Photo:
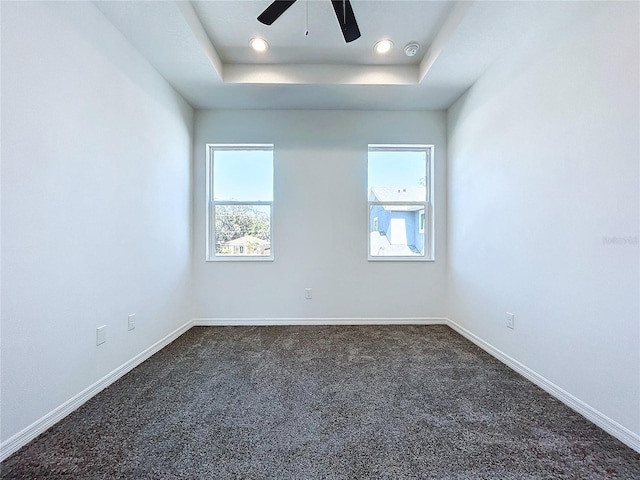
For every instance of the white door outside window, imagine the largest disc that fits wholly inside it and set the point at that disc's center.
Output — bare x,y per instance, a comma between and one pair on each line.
398,231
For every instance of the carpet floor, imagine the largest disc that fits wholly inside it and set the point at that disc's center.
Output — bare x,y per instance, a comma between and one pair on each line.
323,402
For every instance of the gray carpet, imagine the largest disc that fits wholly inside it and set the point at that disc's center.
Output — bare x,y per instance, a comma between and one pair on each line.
382,402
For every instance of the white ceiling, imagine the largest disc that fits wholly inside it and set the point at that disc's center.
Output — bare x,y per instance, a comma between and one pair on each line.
201,48
230,24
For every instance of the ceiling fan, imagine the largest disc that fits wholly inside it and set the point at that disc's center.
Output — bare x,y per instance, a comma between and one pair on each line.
343,9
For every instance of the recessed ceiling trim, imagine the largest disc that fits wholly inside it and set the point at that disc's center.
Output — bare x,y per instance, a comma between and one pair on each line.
167,35
200,34
449,26
322,74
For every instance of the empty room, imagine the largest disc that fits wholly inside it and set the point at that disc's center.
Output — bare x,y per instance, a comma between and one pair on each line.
320,239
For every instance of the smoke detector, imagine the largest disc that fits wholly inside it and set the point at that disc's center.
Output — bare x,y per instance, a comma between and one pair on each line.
411,49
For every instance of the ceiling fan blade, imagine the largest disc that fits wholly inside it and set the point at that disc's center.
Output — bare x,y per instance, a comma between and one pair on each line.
273,11
346,19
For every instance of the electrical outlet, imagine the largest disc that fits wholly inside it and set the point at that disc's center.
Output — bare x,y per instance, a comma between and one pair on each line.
101,335
511,319
132,321
308,293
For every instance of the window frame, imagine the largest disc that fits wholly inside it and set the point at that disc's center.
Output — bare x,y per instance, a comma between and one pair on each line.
210,252
427,204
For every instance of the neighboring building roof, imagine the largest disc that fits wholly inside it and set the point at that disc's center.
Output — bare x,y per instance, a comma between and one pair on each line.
398,194
246,240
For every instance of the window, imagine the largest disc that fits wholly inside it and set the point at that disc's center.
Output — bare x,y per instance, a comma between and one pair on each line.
240,202
400,193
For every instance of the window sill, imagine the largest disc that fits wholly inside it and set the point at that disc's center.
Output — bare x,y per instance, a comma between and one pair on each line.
400,259
231,258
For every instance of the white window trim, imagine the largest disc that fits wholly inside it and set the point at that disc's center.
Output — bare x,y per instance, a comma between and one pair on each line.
210,253
429,240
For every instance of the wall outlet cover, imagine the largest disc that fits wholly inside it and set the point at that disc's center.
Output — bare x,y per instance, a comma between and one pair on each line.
511,319
101,335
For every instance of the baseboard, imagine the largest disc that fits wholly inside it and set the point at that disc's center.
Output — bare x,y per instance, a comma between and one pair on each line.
23,437
228,322
610,426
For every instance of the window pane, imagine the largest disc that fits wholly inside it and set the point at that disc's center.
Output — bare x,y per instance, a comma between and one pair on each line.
243,175
399,170
395,231
243,230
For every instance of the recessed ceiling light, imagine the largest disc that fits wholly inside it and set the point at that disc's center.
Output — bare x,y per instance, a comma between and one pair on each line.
259,44
383,46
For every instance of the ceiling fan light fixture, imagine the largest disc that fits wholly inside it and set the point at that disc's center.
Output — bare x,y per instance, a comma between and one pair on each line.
383,46
258,44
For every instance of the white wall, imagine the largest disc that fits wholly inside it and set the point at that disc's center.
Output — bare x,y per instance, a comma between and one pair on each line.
543,165
96,176
320,220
